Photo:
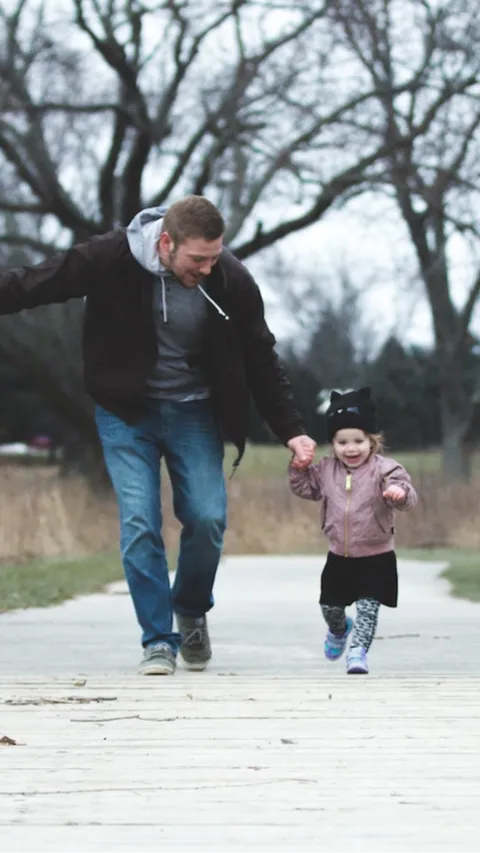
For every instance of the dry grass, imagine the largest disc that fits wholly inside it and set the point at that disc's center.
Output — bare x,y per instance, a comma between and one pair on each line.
44,516
265,517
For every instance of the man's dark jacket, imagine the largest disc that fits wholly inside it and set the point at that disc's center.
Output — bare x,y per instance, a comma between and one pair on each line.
119,339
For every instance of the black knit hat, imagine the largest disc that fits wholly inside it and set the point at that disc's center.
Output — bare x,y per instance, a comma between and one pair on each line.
353,410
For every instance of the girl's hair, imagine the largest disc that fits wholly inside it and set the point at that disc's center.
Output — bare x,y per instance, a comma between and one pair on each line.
377,441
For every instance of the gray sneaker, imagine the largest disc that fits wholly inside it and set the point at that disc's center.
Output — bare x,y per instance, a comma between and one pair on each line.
195,649
158,660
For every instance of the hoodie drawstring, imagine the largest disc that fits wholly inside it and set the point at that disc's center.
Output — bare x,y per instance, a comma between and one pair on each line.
164,300
202,291
222,313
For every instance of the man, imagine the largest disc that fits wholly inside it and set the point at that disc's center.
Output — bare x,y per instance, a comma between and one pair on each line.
174,342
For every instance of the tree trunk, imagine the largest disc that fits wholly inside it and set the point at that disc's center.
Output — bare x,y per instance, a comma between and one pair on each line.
455,425
456,455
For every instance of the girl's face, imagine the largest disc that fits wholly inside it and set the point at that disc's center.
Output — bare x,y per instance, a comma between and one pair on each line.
352,447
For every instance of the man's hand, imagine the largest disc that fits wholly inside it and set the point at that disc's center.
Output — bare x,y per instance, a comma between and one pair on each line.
394,493
303,449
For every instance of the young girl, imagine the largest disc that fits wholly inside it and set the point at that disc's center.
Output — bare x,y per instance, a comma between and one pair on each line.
359,489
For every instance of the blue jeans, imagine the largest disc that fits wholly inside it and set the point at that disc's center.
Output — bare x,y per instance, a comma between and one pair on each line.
187,435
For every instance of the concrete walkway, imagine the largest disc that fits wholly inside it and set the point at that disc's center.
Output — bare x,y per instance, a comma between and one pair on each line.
271,749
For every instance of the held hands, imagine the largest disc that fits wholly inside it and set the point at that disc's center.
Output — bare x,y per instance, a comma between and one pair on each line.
303,449
394,493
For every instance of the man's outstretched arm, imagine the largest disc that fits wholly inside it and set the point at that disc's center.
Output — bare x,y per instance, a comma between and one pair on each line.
66,275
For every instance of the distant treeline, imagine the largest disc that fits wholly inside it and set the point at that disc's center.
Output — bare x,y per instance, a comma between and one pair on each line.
405,386
403,378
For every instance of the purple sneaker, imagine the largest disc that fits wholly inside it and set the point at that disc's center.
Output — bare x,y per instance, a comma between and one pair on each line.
357,663
334,645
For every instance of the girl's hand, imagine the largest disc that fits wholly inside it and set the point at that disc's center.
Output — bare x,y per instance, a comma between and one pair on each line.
395,493
303,449
301,465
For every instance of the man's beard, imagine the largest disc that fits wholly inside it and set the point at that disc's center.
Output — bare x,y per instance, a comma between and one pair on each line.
171,266
171,259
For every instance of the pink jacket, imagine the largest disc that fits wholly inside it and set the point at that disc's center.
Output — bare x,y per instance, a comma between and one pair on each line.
356,519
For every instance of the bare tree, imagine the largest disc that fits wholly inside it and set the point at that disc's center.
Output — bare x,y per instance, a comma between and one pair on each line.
434,176
99,118
107,106
241,100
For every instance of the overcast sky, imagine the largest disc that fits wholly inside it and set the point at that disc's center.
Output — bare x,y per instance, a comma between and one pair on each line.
368,239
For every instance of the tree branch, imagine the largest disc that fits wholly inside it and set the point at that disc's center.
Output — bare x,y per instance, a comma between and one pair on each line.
29,147
132,176
82,109
107,173
447,174
161,123
7,206
283,158
183,160
13,154
245,73
350,177
47,187
114,55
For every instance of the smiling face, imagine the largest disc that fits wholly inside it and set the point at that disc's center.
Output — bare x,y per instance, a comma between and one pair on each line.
191,260
352,447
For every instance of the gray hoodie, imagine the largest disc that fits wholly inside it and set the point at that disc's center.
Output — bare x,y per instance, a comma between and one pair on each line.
179,314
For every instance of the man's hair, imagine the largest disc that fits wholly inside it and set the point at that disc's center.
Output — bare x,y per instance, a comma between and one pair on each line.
193,216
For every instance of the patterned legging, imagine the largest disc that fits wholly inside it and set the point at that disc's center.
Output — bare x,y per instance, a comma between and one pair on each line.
365,623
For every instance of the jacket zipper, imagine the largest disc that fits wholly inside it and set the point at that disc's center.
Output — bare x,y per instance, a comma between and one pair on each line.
348,489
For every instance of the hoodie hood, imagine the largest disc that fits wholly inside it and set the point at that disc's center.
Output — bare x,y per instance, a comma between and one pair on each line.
143,234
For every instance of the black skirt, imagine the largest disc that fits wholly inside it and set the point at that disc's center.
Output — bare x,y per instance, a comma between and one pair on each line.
347,579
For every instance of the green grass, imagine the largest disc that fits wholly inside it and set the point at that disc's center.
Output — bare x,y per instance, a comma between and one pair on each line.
463,571
41,583
266,461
